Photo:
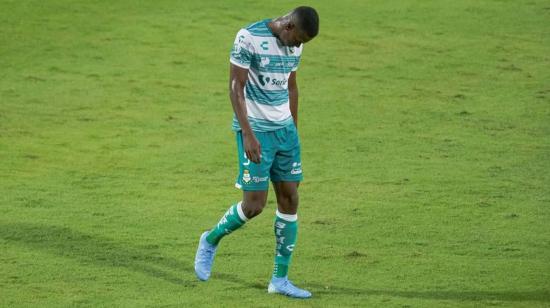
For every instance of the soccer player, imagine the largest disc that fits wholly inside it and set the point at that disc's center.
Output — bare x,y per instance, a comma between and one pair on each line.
264,96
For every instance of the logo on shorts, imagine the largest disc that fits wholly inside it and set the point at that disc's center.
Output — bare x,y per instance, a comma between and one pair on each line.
296,168
258,179
247,162
246,176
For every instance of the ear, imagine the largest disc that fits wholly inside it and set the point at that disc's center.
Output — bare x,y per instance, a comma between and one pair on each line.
289,26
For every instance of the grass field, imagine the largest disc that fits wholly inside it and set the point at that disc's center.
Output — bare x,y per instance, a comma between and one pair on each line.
425,129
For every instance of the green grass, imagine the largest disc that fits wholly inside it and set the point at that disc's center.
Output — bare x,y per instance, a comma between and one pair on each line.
425,143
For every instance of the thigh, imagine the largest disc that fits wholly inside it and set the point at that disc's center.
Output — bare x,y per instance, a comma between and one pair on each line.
252,176
287,162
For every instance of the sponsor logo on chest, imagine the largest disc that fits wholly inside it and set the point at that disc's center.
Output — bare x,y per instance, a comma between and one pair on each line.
265,80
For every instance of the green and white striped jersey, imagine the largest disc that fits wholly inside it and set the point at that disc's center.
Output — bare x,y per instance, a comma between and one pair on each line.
269,64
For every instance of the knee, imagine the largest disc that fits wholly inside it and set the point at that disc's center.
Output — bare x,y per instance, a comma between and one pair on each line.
293,199
288,201
252,208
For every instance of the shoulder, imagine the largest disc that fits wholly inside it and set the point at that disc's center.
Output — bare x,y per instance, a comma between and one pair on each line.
244,40
243,34
259,28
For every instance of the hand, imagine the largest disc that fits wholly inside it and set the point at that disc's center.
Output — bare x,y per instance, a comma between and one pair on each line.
252,147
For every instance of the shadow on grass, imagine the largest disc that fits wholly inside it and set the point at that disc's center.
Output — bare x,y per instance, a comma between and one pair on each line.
102,251
541,296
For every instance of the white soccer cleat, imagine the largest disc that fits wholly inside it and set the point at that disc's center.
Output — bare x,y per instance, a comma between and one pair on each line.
285,287
204,258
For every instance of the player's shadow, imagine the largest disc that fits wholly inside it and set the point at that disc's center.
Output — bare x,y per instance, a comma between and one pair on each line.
102,251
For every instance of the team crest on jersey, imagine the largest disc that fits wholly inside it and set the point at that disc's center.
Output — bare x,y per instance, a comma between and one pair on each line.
246,176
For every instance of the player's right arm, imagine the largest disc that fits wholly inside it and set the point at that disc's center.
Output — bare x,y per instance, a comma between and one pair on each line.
241,56
237,80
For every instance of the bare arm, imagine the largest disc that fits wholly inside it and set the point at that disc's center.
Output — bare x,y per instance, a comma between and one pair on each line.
293,97
237,80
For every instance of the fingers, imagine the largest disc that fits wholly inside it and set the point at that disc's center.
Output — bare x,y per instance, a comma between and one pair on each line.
255,154
258,154
249,156
253,150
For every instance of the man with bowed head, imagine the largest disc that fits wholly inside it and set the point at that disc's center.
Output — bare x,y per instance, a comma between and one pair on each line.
264,95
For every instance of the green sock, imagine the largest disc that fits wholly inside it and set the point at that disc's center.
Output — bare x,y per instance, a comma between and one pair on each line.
286,229
232,220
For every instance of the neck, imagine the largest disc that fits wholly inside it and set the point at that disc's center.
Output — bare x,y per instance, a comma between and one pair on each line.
276,25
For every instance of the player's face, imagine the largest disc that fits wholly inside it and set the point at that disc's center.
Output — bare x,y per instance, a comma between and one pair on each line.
292,36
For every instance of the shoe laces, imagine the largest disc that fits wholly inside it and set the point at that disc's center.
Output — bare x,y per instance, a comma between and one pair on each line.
287,284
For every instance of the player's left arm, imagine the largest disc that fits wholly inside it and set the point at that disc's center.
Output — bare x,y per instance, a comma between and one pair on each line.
293,97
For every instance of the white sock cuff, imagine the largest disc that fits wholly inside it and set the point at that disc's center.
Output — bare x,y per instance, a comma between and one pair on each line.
287,217
240,211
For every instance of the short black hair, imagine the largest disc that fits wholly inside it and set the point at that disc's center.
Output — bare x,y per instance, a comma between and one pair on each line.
307,20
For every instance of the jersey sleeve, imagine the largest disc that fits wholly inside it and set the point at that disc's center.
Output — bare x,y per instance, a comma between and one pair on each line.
243,49
296,64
